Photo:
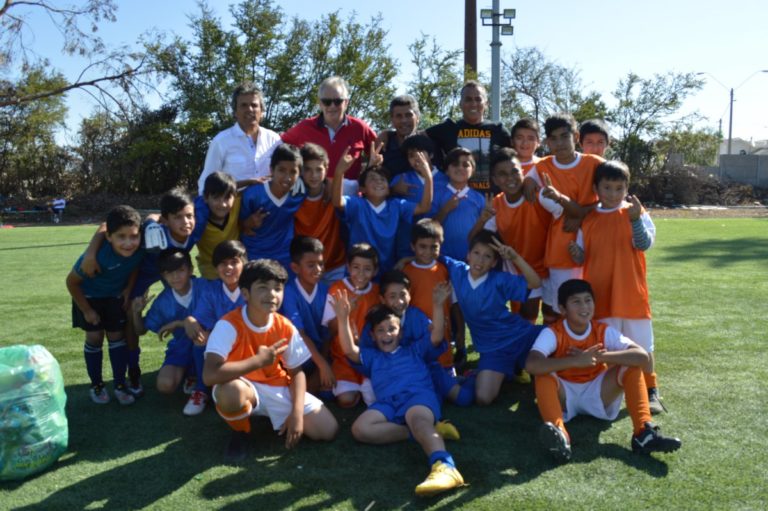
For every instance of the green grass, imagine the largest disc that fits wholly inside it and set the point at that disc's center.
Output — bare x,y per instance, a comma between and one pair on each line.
709,283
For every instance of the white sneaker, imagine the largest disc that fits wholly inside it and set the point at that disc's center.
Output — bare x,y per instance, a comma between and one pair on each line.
99,395
196,403
189,385
123,396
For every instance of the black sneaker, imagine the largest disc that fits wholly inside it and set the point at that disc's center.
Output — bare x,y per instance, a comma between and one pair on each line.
654,402
237,448
556,441
651,440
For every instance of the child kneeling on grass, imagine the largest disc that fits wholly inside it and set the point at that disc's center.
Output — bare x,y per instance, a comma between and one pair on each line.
584,367
253,360
406,403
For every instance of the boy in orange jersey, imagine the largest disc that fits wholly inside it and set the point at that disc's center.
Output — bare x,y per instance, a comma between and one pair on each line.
362,265
584,367
611,246
594,137
521,225
425,272
565,182
253,360
525,141
317,218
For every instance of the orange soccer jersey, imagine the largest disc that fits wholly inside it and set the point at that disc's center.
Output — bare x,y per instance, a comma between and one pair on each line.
565,342
248,341
423,281
528,165
575,181
523,226
361,303
614,267
318,219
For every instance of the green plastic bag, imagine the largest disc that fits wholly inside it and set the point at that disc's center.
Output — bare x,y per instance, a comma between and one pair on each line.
33,422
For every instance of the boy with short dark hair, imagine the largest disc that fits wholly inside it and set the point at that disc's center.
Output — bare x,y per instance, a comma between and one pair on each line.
594,137
304,303
405,399
525,141
317,218
217,217
166,318
266,214
98,302
374,218
583,366
253,361
362,266
611,245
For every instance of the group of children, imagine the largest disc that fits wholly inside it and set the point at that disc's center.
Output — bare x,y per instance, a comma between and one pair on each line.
310,295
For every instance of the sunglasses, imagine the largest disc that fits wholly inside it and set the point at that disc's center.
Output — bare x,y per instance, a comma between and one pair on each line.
334,101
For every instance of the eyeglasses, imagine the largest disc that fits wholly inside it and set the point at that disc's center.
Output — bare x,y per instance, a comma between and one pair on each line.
333,101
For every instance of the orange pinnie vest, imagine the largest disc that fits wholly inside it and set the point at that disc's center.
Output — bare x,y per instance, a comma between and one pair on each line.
566,342
423,282
524,228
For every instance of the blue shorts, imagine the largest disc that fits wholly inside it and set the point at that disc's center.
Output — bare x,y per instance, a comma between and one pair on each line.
395,407
110,310
509,360
443,379
179,353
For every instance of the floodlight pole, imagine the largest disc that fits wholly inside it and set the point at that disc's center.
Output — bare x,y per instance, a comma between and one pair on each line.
496,65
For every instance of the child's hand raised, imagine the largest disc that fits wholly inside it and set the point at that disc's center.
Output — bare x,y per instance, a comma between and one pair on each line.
549,191
341,304
422,163
375,158
636,209
505,251
345,162
488,210
441,292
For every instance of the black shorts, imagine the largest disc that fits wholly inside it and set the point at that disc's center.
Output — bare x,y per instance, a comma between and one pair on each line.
110,310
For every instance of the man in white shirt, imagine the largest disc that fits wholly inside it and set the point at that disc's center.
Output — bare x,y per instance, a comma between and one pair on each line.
244,150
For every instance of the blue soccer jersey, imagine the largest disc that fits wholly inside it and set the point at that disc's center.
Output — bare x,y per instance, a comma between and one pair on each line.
148,271
415,192
377,225
458,222
305,311
413,326
215,301
401,371
114,275
484,304
168,307
273,239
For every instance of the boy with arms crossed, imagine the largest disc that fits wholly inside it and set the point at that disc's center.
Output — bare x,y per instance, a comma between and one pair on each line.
585,367
253,361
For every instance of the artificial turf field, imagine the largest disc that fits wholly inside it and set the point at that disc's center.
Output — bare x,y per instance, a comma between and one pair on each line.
709,285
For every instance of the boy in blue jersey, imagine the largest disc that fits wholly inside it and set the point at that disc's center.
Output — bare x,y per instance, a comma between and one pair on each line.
374,218
220,295
394,288
457,206
502,338
304,300
98,302
174,229
406,403
409,185
267,209
166,318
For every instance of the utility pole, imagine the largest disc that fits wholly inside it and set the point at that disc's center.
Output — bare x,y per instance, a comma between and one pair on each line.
470,39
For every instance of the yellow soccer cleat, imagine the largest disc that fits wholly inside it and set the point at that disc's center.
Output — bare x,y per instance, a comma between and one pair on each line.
441,478
447,430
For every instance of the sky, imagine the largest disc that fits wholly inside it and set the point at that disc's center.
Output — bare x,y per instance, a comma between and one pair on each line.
604,39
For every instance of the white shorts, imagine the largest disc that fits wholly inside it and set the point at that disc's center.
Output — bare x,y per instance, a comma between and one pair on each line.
556,278
365,388
275,402
585,399
331,276
638,330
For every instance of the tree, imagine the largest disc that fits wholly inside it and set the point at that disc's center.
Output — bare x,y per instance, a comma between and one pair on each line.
693,146
437,80
107,66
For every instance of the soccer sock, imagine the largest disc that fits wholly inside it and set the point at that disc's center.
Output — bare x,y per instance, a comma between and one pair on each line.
548,401
467,392
239,420
443,456
650,380
198,354
636,395
118,358
133,359
93,360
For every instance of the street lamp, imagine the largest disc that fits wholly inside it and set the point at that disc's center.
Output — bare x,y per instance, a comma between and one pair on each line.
730,108
491,18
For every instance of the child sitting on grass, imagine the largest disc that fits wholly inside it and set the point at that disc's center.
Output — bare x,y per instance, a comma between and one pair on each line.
406,403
